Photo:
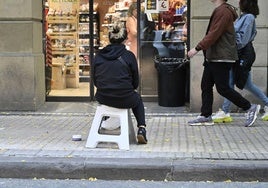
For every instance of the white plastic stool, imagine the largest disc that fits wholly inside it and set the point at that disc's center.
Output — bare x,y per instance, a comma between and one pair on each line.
126,136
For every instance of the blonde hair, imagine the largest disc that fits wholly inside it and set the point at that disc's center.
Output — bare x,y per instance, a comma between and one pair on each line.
132,7
118,34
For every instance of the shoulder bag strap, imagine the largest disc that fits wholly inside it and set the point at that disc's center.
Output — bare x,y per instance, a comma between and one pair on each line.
125,64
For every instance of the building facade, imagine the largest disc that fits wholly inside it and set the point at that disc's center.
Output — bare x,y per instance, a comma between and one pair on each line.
22,55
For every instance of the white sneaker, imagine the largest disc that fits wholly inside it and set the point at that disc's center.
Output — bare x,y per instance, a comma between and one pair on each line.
251,115
265,115
222,117
201,120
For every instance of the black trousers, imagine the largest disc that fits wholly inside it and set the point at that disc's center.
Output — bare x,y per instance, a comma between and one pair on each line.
134,102
218,74
139,113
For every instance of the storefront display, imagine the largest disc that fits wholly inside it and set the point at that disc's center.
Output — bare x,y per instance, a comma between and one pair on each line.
70,45
62,43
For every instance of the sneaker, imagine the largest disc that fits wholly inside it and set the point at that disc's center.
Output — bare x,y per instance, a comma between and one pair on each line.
201,120
141,136
222,117
265,115
251,115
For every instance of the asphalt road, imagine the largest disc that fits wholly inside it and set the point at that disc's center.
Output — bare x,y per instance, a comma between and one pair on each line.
92,183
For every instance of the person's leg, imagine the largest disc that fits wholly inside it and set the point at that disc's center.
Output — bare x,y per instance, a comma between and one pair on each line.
207,83
221,76
226,103
139,113
207,99
250,86
222,85
223,115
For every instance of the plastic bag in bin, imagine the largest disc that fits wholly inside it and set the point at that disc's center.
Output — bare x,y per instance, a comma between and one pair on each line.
171,64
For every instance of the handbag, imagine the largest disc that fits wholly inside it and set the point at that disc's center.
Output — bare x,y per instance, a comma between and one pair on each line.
246,58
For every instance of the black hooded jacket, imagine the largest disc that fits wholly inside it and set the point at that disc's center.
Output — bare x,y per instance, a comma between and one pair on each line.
115,81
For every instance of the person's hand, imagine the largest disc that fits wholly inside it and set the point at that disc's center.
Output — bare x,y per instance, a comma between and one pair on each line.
192,52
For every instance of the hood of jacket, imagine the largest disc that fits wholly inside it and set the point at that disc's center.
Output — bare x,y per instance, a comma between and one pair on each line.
232,9
112,51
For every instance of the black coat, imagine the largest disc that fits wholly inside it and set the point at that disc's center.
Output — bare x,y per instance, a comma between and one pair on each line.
115,81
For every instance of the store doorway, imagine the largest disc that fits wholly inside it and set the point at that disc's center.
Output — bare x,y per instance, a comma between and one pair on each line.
67,49
74,31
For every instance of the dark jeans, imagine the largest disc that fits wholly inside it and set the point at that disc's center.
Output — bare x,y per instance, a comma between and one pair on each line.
139,113
135,103
218,74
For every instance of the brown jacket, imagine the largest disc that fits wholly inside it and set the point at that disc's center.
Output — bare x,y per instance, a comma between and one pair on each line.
219,44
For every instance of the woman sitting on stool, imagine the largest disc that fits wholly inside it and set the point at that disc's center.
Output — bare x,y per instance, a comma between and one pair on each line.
116,77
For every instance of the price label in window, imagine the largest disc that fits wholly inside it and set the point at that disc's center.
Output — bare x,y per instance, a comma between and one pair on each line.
151,6
163,5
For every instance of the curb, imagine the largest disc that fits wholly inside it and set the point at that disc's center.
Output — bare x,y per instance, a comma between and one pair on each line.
157,169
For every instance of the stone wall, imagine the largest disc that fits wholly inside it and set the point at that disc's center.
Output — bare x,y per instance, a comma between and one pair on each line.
200,13
22,77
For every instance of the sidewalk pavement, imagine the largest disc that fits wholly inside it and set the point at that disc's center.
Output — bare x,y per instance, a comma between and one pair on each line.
39,145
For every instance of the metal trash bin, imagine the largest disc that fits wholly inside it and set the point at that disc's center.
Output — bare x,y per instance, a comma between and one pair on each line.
171,81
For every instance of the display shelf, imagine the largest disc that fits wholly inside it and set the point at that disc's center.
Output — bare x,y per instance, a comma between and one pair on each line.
63,48
63,17
84,43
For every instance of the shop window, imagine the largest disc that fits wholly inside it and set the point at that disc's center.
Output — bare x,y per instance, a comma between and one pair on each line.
166,26
74,35
71,44
163,33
